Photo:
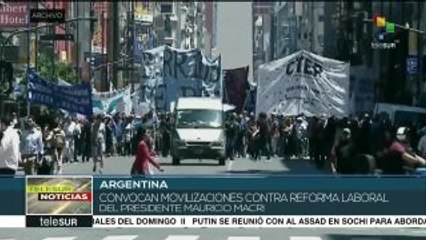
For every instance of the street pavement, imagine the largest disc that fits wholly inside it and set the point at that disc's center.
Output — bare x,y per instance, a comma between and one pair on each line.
212,234
118,165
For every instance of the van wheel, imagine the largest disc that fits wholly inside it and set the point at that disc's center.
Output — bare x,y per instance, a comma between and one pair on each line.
221,161
176,160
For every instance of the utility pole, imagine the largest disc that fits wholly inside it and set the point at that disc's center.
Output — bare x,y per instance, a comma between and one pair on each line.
104,72
115,42
420,6
28,57
36,48
77,40
132,44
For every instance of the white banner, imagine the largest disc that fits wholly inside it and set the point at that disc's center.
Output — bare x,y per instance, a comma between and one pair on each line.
170,73
269,221
152,76
113,102
188,73
303,83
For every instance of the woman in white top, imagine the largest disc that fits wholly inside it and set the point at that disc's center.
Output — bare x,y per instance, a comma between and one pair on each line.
9,148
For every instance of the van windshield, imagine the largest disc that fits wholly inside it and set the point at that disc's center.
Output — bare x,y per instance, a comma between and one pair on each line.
199,118
405,118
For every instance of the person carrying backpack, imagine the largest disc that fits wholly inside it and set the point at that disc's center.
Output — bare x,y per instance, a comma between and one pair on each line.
58,144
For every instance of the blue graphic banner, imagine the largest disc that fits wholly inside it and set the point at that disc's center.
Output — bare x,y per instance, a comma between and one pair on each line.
75,98
260,196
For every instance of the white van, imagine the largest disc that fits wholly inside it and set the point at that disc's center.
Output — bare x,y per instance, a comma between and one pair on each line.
401,115
198,130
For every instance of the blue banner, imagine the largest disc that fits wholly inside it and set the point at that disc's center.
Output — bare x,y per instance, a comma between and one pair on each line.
75,98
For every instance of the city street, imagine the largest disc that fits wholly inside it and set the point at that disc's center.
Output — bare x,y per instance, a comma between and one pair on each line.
213,234
338,80
121,165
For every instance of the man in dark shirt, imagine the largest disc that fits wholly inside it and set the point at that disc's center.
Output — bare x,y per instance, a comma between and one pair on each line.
231,133
344,154
262,136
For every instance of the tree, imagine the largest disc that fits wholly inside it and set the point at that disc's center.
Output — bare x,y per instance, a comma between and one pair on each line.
52,70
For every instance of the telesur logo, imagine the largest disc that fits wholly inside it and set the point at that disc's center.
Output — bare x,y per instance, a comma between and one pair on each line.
384,29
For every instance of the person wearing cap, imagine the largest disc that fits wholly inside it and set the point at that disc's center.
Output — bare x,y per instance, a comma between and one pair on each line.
399,155
343,154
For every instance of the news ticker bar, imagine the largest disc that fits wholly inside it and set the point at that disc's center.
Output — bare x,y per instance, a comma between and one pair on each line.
169,221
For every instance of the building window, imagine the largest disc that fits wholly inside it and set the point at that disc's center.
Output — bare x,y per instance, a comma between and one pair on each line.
321,18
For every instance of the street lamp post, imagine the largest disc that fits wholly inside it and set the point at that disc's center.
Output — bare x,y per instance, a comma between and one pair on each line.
31,29
28,30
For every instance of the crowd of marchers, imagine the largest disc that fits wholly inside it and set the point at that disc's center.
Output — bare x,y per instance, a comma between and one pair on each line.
361,145
44,148
355,145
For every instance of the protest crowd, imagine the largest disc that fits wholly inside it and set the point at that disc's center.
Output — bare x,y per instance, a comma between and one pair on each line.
350,145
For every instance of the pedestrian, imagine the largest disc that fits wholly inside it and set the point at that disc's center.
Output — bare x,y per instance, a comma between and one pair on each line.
77,139
165,130
86,135
98,143
399,157
32,147
108,136
144,157
231,134
314,129
128,137
274,136
118,133
70,130
343,154
9,147
58,144
261,137
250,138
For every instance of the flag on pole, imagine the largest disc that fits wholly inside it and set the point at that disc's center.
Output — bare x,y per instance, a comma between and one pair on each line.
390,27
381,22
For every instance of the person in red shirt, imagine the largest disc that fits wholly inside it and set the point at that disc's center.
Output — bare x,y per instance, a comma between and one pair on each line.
144,157
399,156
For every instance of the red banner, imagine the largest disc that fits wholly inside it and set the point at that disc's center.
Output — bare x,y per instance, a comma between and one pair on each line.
13,14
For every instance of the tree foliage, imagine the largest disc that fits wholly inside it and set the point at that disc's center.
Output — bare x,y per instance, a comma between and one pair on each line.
52,70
